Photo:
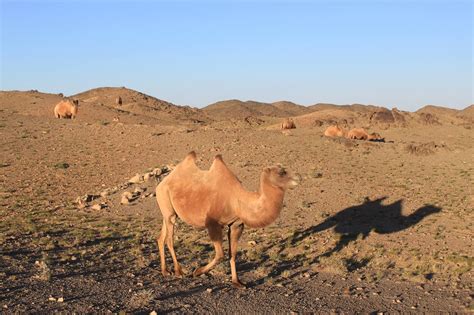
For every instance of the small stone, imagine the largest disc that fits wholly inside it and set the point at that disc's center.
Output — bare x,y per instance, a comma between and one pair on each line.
157,171
252,243
153,313
379,313
209,290
124,201
51,299
61,299
135,179
127,194
105,193
359,289
147,176
139,190
413,307
97,207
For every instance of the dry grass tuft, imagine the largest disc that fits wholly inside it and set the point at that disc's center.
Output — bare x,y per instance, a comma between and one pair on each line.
141,299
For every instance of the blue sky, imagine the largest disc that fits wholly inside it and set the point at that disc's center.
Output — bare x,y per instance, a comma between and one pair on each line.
403,54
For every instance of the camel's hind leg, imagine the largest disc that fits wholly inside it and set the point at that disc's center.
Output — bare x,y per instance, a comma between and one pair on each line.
161,246
215,233
167,231
169,242
235,231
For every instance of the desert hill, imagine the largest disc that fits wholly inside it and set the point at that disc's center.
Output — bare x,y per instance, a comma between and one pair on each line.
351,107
467,113
236,109
137,103
99,105
292,109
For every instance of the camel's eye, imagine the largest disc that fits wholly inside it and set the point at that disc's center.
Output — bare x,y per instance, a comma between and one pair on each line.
282,172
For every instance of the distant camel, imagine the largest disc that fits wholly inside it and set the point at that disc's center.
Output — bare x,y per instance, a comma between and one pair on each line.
288,123
361,134
66,109
118,101
335,131
213,199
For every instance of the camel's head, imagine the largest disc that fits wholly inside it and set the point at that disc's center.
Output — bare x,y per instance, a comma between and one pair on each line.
279,177
375,137
73,102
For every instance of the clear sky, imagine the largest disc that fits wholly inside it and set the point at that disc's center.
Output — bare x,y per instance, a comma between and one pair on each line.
403,54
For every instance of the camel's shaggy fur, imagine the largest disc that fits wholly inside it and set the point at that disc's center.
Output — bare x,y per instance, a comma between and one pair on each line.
66,109
361,134
288,123
335,131
214,199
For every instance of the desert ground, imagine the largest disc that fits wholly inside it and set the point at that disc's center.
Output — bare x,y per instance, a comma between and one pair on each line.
383,227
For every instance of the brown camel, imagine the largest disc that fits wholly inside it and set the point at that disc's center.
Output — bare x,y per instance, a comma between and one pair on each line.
213,199
66,109
288,123
335,131
361,134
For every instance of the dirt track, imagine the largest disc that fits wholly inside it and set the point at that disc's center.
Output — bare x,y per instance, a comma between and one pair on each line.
372,227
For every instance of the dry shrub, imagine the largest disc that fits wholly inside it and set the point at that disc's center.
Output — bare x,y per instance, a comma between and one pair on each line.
429,119
254,121
423,148
141,299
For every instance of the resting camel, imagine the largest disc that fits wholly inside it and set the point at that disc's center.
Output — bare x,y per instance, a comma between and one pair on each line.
213,199
288,123
361,134
335,131
66,109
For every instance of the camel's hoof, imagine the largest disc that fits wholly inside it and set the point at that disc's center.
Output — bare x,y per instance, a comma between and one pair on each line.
179,273
238,285
197,272
165,273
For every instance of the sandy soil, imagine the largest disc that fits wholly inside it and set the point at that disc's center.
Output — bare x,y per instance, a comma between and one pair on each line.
372,227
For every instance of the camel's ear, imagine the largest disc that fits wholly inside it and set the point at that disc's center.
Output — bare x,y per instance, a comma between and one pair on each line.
266,170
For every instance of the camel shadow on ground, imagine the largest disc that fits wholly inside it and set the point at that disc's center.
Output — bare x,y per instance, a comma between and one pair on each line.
350,224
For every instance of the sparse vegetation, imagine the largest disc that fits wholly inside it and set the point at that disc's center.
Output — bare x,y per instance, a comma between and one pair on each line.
61,165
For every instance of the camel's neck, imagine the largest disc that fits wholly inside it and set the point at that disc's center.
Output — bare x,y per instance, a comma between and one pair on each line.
259,209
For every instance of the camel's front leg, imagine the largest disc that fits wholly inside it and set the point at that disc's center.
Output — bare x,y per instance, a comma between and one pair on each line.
215,233
235,231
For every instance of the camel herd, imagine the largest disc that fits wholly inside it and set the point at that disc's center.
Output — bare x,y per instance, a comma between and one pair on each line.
215,198
68,108
334,131
355,134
